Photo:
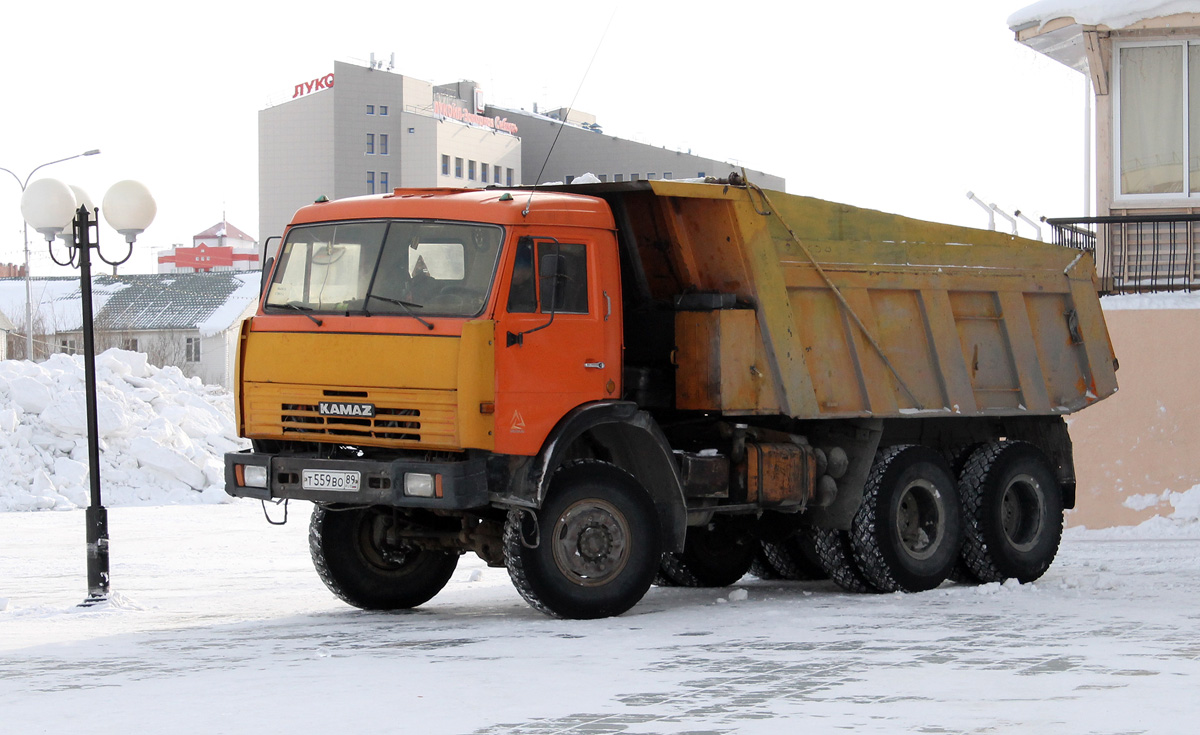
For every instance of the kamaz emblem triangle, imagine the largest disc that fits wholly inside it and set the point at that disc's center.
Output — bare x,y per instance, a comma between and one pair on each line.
518,423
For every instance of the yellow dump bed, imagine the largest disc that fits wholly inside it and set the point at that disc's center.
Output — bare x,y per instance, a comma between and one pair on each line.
841,312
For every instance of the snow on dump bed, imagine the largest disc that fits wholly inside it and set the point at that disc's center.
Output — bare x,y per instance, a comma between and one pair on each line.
162,435
1112,13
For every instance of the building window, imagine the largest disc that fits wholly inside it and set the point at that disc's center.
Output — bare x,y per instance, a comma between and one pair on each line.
570,178
496,175
445,165
383,109
383,182
635,177
383,144
651,175
370,142
483,171
130,344
667,174
699,174
370,109
1157,135
509,177
458,168
193,349
471,170
370,182
602,177
411,131
67,347
618,177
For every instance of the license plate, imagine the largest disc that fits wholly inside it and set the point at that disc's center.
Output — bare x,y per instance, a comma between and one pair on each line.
345,480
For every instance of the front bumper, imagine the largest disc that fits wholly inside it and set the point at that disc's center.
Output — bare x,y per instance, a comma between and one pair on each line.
459,485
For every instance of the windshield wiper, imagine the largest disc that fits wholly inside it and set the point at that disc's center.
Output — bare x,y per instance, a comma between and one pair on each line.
300,308
408,307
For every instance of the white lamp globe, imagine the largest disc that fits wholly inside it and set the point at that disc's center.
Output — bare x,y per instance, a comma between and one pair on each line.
128,208
81,200
46,205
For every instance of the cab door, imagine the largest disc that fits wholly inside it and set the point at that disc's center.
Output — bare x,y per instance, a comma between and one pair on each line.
558,333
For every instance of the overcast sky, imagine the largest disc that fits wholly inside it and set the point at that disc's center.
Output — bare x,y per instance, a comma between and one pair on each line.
896,106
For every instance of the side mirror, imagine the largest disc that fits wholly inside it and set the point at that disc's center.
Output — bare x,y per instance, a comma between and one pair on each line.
268,263
266,273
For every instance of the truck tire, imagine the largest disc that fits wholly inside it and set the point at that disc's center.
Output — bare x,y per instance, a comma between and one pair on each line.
957,456
351,558
762,568
907,533
1013,508
837,560
715,555
593,548
795,557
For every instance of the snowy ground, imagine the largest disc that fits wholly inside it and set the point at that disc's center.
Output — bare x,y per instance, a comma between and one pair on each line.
221,626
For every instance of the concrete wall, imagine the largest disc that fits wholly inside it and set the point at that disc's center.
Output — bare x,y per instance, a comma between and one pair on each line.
1146,438
295,158
580,151
480,145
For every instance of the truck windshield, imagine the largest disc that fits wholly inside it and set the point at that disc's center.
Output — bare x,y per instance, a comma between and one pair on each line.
386,267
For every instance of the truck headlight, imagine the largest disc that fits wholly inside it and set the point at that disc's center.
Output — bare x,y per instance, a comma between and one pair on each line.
254,475
418,485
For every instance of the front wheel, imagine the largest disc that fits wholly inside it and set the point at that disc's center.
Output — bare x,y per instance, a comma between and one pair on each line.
358,557
592,550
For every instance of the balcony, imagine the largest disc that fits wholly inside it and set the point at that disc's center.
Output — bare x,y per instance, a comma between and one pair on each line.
1136,254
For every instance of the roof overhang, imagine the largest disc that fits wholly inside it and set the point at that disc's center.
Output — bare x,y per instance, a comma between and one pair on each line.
1062,39
1074,42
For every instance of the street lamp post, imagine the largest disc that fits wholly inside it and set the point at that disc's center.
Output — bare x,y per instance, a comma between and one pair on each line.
28,284
50,206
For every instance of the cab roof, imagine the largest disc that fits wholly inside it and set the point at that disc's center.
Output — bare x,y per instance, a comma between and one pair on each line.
494,206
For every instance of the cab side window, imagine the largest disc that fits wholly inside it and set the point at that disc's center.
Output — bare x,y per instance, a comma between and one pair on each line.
522,295
556,281
562,277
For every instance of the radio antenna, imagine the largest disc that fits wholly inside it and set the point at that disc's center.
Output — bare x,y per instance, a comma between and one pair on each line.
562,123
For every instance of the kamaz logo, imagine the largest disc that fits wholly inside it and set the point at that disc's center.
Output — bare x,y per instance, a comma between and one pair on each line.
364,410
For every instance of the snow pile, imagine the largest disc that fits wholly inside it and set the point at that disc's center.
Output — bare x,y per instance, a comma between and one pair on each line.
1182,522
1160,300
162,435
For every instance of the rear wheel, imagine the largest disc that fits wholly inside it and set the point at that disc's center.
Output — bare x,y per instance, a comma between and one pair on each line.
907,533
715,555
795,557
837,560
359,558
1014,512
593,548
761,568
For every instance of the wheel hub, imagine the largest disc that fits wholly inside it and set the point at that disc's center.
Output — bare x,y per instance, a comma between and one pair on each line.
1021,512
595,543
920,522
591,542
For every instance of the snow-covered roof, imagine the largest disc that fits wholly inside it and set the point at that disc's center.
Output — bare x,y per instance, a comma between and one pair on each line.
1114,14
5,324
223,229
209,302
1056,28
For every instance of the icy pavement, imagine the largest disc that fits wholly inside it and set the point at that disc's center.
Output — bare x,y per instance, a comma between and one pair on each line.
221,626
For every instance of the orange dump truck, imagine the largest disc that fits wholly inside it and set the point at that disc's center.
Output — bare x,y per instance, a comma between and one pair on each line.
606,385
